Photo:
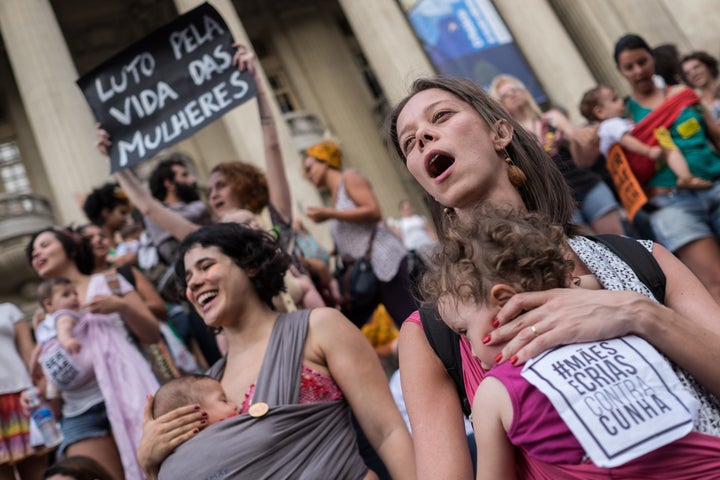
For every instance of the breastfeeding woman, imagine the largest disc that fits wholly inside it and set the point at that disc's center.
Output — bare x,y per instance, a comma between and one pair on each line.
296,376
100,244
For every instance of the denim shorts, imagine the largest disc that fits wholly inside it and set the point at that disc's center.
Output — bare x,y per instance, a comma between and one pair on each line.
683,216
598,201
92,423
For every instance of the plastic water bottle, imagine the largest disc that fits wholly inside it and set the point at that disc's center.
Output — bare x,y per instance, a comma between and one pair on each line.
44,419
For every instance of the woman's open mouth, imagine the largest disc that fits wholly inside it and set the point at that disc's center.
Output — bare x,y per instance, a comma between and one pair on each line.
38,263
205,298
217,206
438,164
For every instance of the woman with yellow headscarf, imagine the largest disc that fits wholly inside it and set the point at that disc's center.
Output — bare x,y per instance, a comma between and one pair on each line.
358,231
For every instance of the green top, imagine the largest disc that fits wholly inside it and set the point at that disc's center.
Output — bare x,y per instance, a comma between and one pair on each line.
688,133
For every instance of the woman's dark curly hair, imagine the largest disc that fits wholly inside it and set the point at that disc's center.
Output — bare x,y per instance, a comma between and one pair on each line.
524,251
76,248
255,251
248,183
102,198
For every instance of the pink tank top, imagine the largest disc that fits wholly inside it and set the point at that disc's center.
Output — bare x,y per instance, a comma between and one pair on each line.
536,427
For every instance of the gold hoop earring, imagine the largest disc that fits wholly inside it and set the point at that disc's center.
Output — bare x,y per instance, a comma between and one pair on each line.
515,174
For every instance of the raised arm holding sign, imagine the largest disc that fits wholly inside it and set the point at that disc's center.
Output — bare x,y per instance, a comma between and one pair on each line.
277,185
167,86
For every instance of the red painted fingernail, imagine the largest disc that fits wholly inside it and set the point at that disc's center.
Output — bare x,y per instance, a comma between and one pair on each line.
498,357
204,414
197,407
485,339
196,430
496,323
203,421
514,359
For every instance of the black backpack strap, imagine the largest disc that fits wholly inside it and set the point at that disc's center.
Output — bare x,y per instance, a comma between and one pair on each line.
445,344
639,259
127,273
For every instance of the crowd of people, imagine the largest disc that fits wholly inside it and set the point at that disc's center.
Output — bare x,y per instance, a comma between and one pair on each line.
218,337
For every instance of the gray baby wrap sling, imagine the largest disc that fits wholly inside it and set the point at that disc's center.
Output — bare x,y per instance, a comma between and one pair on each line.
290,441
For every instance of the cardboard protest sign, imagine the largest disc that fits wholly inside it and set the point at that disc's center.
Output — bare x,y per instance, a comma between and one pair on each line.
167,86
619,397
629,190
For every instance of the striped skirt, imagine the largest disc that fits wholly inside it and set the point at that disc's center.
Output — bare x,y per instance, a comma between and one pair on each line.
14,430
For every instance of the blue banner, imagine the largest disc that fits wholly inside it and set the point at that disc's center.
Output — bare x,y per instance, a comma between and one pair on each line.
467,38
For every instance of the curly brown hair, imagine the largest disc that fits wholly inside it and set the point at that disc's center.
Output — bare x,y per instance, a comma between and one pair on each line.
524,251
248,183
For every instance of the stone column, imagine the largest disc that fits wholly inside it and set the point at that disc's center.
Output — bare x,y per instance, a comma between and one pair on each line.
549,50
699,23
241,123
31,158
61,121
310,45
389,44
596,26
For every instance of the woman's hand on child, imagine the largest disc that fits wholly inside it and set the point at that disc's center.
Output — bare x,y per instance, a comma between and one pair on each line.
532,322
104,304
164,434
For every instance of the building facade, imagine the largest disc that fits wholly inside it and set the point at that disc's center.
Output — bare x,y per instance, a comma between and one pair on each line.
334,66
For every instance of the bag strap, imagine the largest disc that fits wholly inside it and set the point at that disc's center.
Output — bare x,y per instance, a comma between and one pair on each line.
127,273
639,259
445,344
368,252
